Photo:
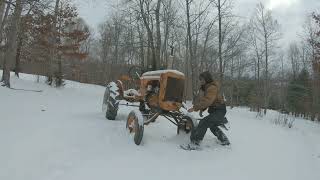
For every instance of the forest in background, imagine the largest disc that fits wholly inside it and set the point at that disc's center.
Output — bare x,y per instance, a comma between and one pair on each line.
245,54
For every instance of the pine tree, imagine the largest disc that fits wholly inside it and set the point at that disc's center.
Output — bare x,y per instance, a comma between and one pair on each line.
299,96
68,35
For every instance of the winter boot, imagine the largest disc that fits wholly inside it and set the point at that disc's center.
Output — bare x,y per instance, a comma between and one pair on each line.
220,135
224,141
191,146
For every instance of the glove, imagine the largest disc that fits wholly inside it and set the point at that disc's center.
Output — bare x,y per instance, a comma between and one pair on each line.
200,113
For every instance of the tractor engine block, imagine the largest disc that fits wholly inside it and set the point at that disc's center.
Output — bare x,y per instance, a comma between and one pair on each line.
152,100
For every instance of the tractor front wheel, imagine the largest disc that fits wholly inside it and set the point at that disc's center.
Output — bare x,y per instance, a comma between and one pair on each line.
135,125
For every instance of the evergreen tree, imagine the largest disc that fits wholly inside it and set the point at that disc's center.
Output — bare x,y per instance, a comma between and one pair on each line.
299,96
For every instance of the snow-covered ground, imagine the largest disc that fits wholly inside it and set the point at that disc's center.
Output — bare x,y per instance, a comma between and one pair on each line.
61,134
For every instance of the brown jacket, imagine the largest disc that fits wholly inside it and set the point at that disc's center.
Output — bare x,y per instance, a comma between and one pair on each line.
210,97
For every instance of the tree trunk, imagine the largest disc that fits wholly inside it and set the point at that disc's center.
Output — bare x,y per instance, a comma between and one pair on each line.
11,49
258,89
158,32
18,56
150,35
141,48
164,54
149,63
3,22
266,94
116,49
190,48
220,44
316,88
232,84
53,43
282,94
5,17
203,56
2,8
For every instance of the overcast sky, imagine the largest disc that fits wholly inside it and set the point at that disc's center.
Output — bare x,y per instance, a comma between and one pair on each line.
291,14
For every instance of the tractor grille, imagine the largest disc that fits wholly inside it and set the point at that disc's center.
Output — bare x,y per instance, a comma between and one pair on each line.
174,90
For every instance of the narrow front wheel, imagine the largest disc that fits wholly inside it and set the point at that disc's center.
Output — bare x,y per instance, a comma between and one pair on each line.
135,126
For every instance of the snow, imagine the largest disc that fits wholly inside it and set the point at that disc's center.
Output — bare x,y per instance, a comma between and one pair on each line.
150,77
185,112
113,90
156,73
61,134
113,86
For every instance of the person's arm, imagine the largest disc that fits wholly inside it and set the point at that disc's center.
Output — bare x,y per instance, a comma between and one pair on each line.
207,100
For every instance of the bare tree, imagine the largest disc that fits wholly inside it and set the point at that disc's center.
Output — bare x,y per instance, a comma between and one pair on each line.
308,57
158,35
169,16
195,22
2,25
29,6
2,9
53,40
147,21
224,8
294,56
219,7
190,49
316,67
257,52
4,17
267,30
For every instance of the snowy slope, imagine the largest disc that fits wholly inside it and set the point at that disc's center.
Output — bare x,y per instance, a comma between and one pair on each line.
61,134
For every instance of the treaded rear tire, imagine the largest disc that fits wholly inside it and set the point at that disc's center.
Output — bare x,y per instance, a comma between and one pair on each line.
110,104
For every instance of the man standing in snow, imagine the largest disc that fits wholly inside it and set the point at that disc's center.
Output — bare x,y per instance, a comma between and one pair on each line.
212,100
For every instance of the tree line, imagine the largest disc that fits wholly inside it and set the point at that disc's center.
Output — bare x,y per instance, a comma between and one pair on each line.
244,54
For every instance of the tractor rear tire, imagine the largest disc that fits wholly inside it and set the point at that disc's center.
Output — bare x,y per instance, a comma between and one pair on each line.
135,126
111,101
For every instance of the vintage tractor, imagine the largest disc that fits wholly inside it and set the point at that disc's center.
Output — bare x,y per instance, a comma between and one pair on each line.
160,94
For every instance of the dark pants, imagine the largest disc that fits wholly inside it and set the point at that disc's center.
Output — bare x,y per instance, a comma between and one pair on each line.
212,121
